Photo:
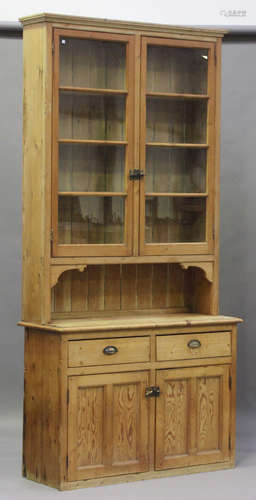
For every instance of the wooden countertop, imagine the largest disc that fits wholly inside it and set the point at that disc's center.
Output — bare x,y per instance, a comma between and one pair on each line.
131,320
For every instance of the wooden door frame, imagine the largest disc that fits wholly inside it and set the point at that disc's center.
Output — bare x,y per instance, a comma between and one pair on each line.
193,457
108,468
180,248
91,250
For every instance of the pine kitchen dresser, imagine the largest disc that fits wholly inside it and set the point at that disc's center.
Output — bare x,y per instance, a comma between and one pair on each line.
129,368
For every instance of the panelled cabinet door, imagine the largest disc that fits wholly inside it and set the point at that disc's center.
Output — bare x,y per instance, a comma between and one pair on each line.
108,418
93,113
177,146
192,416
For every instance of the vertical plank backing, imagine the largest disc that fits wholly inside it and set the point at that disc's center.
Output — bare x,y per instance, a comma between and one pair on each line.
129,287
145,286
176,283
96,288
79,291
112,288
159,286
63,293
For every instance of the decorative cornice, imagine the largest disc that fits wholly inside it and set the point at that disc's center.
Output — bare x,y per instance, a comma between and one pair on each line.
125,25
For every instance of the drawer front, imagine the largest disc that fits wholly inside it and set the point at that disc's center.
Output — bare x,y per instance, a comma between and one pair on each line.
108,352
193,346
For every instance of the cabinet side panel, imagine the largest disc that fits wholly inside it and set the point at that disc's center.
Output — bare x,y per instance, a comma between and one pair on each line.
36,157
41,442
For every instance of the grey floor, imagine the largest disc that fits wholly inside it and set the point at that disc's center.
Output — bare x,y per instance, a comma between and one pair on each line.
235,484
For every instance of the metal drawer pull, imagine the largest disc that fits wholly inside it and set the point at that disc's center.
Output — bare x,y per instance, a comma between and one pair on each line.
193,344
110,349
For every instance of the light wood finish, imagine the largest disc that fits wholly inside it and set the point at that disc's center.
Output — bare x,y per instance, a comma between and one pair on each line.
155,126
42,410
137,321
90,21
210,385
180,259
122,288
193,423
36,181
91,141
88,90
91,352
127,478
171,347
118,264
153,366
78,122
179,145
108,425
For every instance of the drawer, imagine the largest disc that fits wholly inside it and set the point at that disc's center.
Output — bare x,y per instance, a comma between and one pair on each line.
193,345
108,352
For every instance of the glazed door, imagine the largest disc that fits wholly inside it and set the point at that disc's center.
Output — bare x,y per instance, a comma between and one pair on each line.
93,131
192,416
177,147
108,420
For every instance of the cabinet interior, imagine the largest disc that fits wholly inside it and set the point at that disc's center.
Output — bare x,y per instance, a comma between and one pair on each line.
131,287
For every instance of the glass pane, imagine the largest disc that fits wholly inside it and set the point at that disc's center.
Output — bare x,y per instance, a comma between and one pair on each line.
175,170
92,63
91,219
182,121
95,117
91,168
175,220
177,70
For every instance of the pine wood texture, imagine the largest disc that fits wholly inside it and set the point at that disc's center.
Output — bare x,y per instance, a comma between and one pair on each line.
42,408
121,288
108,23
172,347
123,265
194,420
36,174
136,321
91,352
108,425
195,413
127,478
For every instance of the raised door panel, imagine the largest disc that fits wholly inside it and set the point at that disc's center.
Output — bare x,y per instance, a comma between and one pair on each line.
177,146
108,420
192,416
93,129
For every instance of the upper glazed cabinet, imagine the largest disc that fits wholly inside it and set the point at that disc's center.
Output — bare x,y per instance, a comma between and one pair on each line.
133,155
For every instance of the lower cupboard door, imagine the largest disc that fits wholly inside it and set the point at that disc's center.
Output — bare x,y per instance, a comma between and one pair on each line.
192,416
108,425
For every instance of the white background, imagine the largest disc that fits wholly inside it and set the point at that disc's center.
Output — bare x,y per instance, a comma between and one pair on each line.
194,12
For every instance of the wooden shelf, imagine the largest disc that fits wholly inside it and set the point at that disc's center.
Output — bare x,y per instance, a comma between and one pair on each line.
146,259
93,91
91,193
93,142
182,97
180,145
183,195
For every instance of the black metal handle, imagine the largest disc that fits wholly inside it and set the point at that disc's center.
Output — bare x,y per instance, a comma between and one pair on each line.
136,174
152,392
194,344
110,349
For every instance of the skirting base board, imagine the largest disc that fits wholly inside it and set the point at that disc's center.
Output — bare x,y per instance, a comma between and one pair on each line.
126,478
